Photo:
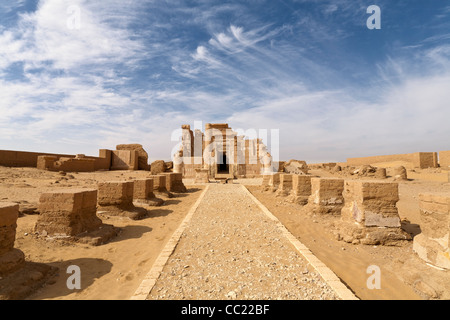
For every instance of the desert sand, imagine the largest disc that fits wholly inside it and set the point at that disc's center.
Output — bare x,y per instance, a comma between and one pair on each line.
108,272
116,269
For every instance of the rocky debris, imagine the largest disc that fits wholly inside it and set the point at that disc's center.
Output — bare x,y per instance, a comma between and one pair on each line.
296,167
157,167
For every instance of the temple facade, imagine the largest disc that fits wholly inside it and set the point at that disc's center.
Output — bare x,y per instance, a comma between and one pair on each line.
221,152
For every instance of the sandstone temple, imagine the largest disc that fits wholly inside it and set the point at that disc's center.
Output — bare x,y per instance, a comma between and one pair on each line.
220,152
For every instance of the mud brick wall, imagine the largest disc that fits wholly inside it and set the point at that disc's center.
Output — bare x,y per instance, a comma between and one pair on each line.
417,160
30,159
68,212
24,158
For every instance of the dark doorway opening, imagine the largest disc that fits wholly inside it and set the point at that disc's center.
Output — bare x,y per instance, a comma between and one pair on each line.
223,167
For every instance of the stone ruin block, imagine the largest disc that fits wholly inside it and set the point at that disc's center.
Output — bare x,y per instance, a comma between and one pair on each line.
400,173
72,215
141,153
143,193
272,180
301,189
18,278
285,186
116,198
174,182
201,176
370,215
10,259
159,186
326,196
124,160
433,244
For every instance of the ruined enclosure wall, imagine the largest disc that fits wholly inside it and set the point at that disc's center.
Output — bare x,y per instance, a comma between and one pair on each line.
30,159
417,160
24,158
444,159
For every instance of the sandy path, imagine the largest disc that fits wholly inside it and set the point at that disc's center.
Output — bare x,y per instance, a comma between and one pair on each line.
231,250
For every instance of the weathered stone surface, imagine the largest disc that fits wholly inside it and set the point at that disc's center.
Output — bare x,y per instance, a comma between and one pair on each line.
68,212
158,167
143,193
9,213
124,160
301,189
285,186
10,259
201,176
433,244
400,173
273,181
174,182
116,198
380,173
160,185
370,215
142,154
296,167
326,196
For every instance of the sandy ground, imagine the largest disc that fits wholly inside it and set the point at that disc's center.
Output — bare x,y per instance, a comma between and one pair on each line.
115,270
110,271
403,274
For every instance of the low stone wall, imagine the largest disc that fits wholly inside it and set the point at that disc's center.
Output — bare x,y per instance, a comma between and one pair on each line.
417,160
47,161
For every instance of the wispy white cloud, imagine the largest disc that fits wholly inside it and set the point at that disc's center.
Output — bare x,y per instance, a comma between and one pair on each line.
136,70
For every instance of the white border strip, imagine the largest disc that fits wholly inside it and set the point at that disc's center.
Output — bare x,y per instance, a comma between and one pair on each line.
327,274
152,276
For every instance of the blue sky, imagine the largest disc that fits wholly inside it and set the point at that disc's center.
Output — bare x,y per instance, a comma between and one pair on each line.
135,71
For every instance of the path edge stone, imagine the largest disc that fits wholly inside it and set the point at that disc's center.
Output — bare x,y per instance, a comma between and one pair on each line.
326,273
152,276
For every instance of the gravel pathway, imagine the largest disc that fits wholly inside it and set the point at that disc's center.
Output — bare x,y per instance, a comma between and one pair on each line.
231,250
